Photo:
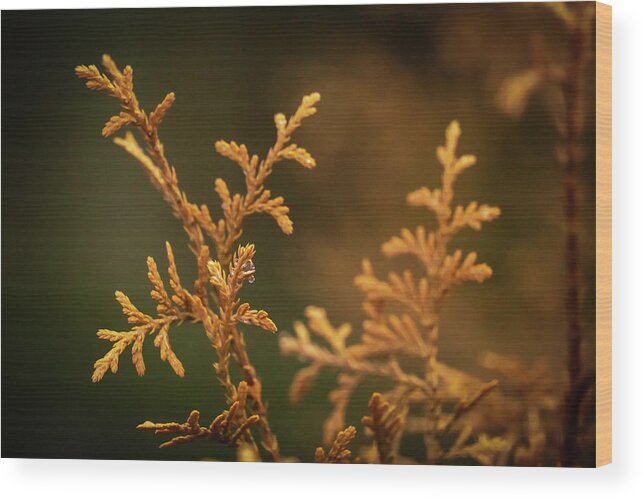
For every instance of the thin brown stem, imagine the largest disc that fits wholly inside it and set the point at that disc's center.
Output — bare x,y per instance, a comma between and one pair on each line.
572,90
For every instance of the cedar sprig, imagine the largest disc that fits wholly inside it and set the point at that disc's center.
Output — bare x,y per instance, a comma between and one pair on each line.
339,453
402,319
120,85
179,305
170,311
386,424
197,219
176,304
231,427
257,199
352,359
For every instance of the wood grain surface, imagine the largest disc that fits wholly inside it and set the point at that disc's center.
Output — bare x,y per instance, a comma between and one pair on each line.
603,234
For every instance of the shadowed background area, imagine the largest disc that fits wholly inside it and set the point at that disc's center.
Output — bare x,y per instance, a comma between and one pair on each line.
79,218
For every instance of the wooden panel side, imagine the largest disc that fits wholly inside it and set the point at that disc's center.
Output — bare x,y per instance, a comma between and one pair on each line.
603,234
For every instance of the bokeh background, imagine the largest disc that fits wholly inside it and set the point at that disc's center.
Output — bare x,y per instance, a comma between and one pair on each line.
79,218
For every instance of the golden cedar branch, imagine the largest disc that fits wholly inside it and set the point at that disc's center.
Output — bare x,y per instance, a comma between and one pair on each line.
197,221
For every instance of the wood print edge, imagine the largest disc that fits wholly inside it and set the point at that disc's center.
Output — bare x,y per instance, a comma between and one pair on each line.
603,234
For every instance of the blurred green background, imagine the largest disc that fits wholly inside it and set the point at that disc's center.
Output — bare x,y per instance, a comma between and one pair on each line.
79,218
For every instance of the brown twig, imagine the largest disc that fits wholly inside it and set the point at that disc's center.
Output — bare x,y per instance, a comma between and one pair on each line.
571,157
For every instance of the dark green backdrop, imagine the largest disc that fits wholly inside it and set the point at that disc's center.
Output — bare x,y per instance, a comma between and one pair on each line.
79,218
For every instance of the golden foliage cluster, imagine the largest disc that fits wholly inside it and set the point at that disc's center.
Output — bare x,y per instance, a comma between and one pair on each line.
401,325
385,424
338,452
214,299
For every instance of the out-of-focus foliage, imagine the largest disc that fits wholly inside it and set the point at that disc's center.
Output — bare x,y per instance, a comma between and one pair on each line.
401,325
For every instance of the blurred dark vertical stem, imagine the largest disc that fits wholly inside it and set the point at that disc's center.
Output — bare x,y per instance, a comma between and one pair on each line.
579,53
